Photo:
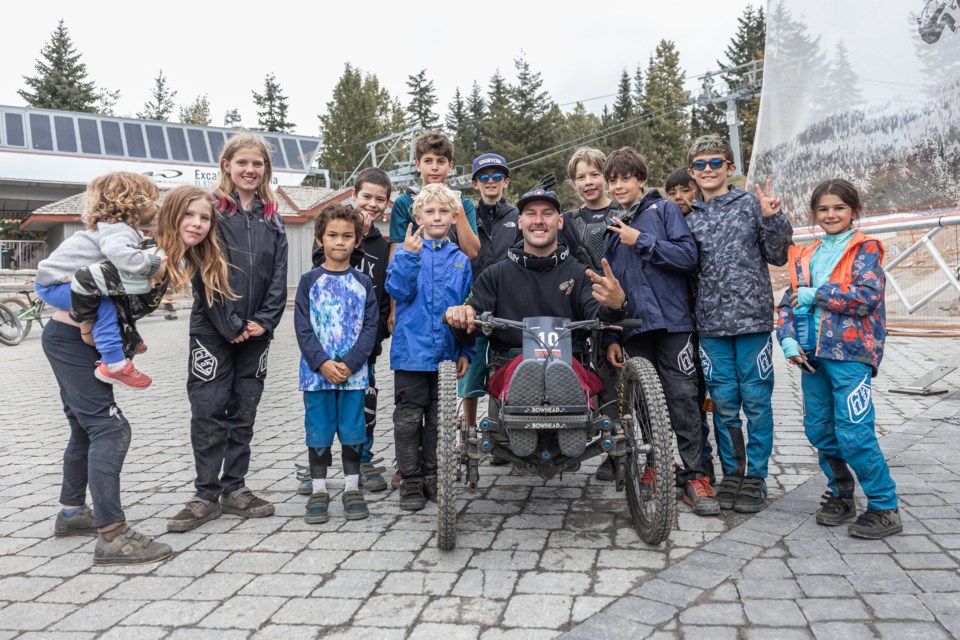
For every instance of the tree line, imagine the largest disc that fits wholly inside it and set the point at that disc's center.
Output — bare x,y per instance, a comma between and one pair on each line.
514,116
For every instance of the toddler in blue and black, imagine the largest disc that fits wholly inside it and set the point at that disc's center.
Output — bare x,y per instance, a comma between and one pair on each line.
336,318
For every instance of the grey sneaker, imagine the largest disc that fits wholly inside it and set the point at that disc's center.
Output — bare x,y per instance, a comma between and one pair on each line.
194,513
82,523
130,547
700,496
835,510
875,524
305,488
243,503
371,476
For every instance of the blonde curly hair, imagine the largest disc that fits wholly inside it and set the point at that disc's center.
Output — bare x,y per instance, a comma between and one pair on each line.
121,196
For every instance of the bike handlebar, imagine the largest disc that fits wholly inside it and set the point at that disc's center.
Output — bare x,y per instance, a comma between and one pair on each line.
487,322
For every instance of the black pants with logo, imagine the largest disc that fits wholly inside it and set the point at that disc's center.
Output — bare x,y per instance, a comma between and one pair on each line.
415,422
674,355
224,385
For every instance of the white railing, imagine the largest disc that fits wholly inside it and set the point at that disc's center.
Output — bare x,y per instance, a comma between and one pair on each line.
21,254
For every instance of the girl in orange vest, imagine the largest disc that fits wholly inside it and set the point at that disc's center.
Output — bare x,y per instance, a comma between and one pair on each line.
831,323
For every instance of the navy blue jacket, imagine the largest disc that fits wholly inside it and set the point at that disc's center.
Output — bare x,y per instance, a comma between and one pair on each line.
653,272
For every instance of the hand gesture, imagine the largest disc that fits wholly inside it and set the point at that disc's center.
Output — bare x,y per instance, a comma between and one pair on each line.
413,241
606,288
462,365
461,317
625,233
547,182
769,203
615,355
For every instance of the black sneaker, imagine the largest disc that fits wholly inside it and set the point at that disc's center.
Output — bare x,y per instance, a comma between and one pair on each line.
727,490
129,547
194,513
82,523
876,524
835,510
605,470
430,488
752,496
243,503
411,494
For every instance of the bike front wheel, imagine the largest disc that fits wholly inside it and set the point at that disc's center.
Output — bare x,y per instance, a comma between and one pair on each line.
23,313
11,332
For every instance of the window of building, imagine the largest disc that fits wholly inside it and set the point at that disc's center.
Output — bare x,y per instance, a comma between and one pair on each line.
66,134
112,141
133,132
40,133
158,144
89,136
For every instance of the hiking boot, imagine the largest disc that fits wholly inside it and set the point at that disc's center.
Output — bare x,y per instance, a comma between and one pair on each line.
354,506
81,523
305,488
648,484
726,491
395,480
875,524
605,472
411,494
243,503
128,376
371,476
835,510
699,495
317,508
430,488
752,496
194,513
129,547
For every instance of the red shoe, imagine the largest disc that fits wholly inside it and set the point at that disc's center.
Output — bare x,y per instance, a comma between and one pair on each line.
128,376
141,348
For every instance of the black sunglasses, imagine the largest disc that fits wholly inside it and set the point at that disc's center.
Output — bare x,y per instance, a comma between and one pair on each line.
715,163
486,177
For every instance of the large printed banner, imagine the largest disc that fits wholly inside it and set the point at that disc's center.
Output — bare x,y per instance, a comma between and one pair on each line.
863,90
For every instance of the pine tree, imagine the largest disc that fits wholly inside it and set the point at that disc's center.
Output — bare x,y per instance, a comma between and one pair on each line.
580,129
61,80
423,98
160,106
198,112
359,111
107,102
499,111
272,106
623,115
232,118
842,85
747,45
456,125
665,105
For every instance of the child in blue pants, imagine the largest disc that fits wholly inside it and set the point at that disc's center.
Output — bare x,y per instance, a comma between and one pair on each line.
831,323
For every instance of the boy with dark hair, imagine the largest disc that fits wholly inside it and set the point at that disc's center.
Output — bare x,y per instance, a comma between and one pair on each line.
738,235
651,251
428,273
335,316
371,193
498,231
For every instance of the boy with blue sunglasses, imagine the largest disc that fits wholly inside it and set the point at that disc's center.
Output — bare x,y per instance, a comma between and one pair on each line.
738,235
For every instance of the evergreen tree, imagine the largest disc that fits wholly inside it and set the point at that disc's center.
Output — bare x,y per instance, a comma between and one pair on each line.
492,130
232,118
423,98
456,125
579,129
623,116
747,45
61,79
160,106
107,102
198,112
667,131
272,107
359,111
842,85
476,114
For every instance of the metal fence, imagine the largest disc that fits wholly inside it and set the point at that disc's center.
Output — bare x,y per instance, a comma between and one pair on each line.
21,254
922,263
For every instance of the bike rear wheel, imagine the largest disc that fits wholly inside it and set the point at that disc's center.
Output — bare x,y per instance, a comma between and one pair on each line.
448,461
649,474
11,332
24,315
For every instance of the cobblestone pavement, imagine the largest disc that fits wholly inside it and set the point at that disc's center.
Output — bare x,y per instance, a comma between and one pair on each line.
535,559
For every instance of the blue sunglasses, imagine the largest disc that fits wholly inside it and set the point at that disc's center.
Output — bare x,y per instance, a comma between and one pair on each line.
715,163
486,177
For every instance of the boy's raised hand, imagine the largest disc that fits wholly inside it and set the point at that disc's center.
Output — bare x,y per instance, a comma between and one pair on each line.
606,288
625,233
769,203
413,241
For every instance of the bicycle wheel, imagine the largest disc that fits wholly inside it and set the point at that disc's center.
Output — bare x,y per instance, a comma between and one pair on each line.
649,468
448,462
23,314
11,333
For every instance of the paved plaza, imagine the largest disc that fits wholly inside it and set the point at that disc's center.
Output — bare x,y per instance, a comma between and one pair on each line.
534,559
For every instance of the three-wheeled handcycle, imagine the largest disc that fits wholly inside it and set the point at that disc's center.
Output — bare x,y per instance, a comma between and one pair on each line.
545,422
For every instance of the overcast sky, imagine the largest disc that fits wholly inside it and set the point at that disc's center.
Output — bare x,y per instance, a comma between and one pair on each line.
580,52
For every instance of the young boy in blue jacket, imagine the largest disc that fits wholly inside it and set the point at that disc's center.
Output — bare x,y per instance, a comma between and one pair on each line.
651,252
428,273
738,235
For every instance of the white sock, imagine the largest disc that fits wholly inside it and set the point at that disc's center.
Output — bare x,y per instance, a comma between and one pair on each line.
319,485
116,366
352,483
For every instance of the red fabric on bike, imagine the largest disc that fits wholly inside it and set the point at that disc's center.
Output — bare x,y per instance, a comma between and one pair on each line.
502,376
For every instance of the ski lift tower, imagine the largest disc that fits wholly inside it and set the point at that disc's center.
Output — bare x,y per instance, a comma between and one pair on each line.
729,92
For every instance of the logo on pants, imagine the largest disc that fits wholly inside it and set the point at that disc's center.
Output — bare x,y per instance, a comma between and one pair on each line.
765,360
858,402
203,364
706,364
262,367
685,358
